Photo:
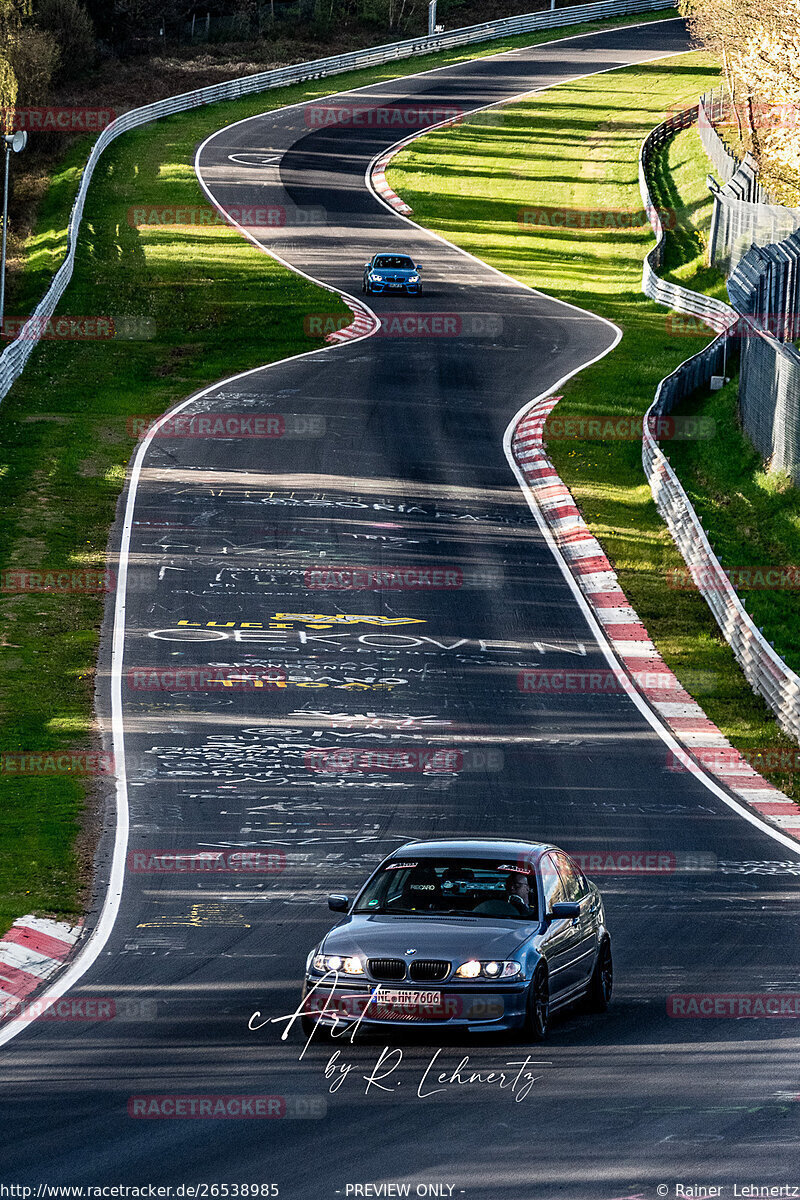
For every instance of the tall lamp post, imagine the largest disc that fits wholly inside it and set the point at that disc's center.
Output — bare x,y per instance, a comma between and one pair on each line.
16,142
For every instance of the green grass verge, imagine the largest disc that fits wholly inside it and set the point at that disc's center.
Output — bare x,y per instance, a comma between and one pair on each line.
216,306
576,147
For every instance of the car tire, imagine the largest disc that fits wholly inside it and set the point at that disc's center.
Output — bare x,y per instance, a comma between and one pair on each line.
601,985
308,1026
537,1007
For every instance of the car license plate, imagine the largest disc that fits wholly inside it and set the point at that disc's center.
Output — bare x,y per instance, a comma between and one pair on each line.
403,997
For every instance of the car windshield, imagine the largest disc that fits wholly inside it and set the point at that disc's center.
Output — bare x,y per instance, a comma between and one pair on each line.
397,262
452,887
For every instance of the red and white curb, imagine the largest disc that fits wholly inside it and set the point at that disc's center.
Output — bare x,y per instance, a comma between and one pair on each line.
363,323
32,950
382,188
705,745
376,172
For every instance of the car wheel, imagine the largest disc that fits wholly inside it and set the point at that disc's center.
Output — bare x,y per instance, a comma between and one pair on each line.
308,1025
601,984
537,1016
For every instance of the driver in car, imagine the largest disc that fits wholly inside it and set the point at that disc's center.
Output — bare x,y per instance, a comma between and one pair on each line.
518,890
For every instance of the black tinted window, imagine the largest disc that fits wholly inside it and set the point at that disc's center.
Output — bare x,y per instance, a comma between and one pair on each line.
554,890
398,261
474,887
575,886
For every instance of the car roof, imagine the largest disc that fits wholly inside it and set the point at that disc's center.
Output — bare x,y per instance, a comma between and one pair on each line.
471,848
392,254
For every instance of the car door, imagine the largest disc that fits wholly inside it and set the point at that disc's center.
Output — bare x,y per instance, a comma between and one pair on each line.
578,891
562,938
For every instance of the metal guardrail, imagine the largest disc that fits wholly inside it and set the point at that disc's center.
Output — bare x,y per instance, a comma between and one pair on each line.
712,110
715,313
16,355
764,669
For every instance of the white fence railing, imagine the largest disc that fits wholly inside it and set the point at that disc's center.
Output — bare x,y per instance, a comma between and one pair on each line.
764,669
744,214
16,355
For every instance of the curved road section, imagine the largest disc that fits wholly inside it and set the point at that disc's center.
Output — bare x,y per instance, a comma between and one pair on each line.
350,568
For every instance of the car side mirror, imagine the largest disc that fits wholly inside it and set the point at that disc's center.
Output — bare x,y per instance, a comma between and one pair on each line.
338,903
566,910
369,264
417,267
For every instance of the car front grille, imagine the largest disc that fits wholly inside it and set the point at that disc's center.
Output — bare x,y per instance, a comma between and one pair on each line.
429,970
387,969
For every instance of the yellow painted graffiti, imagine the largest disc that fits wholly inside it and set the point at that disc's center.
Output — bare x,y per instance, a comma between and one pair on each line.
312,620
200,915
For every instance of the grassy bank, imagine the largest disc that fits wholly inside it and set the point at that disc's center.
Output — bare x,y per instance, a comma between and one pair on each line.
193,305
576,148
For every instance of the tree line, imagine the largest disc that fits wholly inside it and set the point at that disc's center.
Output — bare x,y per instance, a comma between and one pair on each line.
758,45
50,42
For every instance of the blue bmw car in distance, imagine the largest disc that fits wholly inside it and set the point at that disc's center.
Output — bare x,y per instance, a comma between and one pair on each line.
478,933
391,273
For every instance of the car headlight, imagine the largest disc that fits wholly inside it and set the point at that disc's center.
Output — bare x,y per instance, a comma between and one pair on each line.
334,962
492,969
413,279
375,277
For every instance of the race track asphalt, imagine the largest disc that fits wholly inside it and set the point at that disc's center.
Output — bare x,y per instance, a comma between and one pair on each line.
391,455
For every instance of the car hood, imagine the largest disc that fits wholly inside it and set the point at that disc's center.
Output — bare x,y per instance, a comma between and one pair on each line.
393,270
379,936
